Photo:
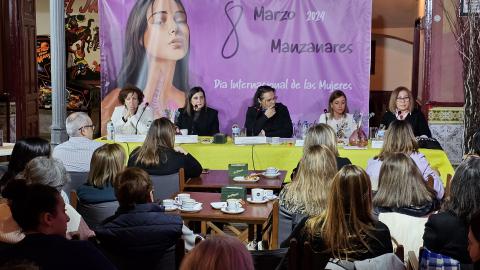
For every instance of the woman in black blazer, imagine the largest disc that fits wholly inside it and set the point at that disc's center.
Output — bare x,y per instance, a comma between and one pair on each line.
196,116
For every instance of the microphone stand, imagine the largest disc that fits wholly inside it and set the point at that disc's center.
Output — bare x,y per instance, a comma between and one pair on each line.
139,118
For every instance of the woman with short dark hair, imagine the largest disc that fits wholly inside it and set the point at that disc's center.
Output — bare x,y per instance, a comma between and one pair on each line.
196,116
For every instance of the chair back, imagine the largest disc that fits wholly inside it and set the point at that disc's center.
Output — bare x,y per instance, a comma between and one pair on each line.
268,259
76,179
95,214
286,223
304,257
165,186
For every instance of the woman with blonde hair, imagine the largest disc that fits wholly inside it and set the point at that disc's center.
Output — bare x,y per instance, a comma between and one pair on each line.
400,138
107,161
347,229
159,156
322,134
401,188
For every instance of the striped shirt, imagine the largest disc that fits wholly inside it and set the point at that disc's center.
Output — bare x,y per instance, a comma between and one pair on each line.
76,153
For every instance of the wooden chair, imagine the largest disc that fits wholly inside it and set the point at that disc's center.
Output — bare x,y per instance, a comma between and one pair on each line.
447,188
399,251
165,186
413,262
430,181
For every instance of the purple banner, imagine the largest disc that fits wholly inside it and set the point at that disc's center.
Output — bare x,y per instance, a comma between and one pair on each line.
304,49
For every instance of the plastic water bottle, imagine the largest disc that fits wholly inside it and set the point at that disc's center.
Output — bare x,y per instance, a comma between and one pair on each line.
304,129
235,131
110,131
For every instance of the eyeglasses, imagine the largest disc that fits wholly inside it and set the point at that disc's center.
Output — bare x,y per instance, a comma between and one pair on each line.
403,98
88,126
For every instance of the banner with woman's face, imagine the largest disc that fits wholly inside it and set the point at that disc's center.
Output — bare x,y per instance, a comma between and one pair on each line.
304,49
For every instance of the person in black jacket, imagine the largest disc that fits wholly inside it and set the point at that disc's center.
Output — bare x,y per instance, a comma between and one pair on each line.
196,116
159,156
266,117
140,232
402,107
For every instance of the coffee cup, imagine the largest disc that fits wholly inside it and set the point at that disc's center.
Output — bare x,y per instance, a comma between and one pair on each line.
258,194
268,193
181,197
188,204
184,131
168,203
271,171
233,205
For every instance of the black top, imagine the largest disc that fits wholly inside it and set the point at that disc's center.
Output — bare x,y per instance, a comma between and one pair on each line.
414,211
340,163
379,244
205,124
415,118
55,252
279,125
447,234
170,162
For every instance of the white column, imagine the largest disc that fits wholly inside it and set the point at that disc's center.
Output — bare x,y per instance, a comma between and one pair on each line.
57,52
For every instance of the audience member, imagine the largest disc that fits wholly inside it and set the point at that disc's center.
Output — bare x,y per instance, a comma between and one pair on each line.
474,240
76,153
347,230
338,117
140,232
476,144
40,212
323,134
447,231
266,117
24,151
218,253
132,117
196,116
401,188
401,106
107,161
399,138
159,156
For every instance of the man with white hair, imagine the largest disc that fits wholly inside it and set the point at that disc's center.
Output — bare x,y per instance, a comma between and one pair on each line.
76,153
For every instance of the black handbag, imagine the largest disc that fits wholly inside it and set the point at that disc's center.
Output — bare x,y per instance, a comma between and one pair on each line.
428,143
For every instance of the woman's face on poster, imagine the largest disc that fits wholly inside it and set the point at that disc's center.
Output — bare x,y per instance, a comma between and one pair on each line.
167,34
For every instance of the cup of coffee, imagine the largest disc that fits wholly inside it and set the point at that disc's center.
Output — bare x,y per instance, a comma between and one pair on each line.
258,194
184,131
181,197
233,205
268,193
168,203
271,171
188,204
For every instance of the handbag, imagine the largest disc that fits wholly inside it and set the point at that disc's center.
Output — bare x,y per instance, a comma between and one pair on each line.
428,143
430,260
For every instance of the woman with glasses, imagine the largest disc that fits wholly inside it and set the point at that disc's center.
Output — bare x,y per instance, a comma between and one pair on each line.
266,117
402,107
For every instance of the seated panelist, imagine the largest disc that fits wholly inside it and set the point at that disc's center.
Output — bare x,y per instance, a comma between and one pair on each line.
132,117
337,115
196,116
266,117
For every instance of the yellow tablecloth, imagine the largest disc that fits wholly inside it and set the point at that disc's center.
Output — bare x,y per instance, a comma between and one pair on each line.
285,157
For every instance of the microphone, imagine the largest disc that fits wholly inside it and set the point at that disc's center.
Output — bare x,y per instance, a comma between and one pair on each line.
326,116
195,107
139,118
399,115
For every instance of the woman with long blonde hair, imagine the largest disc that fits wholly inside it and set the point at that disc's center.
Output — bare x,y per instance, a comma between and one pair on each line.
400,138
159,156
347,229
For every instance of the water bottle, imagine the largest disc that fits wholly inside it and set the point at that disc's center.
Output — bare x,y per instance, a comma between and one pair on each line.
235,131
304,129
110,131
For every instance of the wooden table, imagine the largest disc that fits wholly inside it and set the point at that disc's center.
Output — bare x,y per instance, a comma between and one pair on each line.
262,217
214,180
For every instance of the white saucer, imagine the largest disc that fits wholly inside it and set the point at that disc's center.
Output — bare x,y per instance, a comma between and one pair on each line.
197,208
218,205
171,208
273,197
240,210
271,175
252,201
241,179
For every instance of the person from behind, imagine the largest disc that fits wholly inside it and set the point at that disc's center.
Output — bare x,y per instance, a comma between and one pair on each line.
401,106
196,116
133,116
347,229
337,116
140,232
218,253
447,231
476,144
40,212
399,138
76,153
266,117
474,240
322,134
23,151
159,156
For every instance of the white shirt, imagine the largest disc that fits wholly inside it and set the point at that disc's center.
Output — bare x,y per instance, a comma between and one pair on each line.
139,122
346,125
76,153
